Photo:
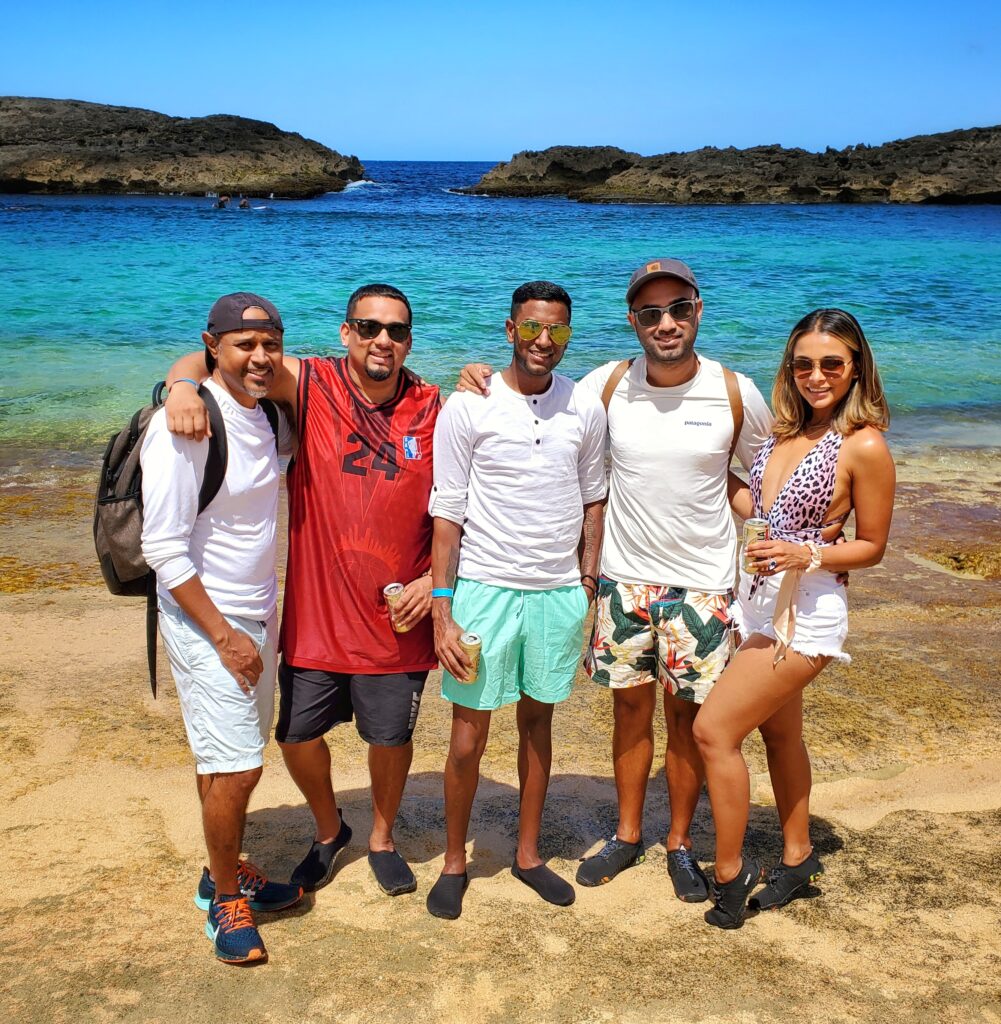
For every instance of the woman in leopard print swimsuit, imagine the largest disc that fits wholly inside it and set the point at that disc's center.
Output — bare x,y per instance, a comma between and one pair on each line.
827,457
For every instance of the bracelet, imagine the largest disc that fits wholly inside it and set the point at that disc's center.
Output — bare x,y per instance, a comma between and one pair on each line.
184,380
591,578
442,592
815,557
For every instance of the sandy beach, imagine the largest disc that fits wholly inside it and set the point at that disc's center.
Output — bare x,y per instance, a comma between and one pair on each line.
101,838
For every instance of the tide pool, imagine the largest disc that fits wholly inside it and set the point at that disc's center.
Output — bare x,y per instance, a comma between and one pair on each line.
101,293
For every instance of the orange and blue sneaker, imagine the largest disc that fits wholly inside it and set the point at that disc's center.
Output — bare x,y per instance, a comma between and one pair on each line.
264,896
231,928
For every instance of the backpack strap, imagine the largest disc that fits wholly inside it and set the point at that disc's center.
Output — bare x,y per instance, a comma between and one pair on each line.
736,408
613,381
218,457
271,411
151,617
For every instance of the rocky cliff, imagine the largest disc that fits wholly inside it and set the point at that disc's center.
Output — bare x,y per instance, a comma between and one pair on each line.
951,167
72,146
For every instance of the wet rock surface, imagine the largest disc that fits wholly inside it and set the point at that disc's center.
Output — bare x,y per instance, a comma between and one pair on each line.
66,146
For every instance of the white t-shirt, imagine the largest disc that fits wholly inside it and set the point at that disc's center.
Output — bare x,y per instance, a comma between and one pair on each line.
668,520
515,471
231,545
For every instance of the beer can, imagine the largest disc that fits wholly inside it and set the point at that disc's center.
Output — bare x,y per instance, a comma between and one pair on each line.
392,594
471,644
754,530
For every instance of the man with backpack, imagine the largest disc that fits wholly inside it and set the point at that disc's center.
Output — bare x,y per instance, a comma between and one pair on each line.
217,591
668,558
358,523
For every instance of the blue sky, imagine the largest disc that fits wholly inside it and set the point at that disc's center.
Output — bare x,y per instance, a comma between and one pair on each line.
451,81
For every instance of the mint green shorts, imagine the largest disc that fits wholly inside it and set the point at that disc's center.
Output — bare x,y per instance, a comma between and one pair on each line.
531,643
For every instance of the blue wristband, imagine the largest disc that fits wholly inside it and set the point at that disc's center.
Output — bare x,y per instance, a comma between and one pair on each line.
442,592
184,380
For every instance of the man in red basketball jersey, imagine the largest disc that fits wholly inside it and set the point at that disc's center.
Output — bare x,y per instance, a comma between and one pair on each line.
358,492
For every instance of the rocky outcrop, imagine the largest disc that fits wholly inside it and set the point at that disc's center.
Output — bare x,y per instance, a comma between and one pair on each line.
73,146
952,167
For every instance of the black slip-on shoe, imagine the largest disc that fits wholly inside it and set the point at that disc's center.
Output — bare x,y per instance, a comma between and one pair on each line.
546,883
392,873
689,880
785,882
614,857
730,898
317,867
445,898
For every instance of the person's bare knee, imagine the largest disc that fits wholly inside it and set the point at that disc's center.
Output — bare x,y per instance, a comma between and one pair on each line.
679,716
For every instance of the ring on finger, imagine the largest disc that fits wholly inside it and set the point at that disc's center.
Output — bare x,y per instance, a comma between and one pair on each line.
773,565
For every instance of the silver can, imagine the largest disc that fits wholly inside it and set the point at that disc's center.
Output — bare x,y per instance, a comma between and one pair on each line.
754,530
471,645
392,593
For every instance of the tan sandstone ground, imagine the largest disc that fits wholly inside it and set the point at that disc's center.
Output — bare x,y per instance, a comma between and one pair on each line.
101,846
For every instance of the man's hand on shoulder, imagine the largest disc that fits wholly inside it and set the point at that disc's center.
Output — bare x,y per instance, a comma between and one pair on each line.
186,413
475,377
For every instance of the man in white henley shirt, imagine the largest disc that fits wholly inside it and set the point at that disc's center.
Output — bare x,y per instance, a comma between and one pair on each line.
668,558
218,596
518,478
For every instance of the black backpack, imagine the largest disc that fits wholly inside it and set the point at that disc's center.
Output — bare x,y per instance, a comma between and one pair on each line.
118,511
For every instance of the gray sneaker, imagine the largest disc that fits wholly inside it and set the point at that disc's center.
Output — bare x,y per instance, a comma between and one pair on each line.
613,857
690,882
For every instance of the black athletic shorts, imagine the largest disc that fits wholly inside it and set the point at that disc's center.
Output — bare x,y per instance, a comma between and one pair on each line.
313,701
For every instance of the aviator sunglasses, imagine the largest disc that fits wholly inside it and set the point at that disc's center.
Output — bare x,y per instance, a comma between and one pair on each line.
830,366
650,316
559,334
371,329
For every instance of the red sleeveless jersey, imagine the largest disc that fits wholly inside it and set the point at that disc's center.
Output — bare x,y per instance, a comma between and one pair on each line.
358,493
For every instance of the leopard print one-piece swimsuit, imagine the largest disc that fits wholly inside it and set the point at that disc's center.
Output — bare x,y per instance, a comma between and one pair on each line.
797,515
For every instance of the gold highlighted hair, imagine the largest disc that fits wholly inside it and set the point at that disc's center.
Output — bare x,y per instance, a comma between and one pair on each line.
863,406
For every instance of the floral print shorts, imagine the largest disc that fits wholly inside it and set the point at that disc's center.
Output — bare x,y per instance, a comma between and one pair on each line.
645,632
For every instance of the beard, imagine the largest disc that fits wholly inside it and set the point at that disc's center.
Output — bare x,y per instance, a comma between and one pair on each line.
654,354
379,373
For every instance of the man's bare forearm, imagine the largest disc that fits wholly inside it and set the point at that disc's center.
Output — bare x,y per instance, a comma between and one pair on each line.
590,539
191,366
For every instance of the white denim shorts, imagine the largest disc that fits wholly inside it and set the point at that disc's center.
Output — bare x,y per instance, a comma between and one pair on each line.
821,613
227,728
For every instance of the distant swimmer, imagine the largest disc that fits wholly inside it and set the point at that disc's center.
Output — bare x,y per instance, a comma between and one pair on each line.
244,203
221,203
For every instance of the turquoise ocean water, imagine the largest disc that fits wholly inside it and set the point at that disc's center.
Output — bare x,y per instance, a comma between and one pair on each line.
99,294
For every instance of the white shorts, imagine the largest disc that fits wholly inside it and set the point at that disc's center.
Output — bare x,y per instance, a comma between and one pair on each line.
227,728
821,613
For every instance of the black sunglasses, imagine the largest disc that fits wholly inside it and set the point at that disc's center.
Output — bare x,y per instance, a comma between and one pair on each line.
371,329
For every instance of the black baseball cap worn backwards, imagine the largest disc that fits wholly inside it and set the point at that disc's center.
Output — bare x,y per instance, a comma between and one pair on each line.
227,314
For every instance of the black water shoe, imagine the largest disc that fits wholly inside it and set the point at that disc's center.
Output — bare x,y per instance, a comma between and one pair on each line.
445,897
614,857
689,880
546,883
785,882
730,898
391,872
317,867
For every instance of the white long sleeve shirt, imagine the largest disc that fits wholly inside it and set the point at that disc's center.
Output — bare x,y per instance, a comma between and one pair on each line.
668,520
515,471
232,544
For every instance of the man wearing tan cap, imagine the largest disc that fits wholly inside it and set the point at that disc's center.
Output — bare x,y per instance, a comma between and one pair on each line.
668,558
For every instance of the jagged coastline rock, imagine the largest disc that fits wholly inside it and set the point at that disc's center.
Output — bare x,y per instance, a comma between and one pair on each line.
58,146
962,166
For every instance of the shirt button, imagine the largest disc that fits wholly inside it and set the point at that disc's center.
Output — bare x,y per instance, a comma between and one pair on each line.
538,441
535,401
536,422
